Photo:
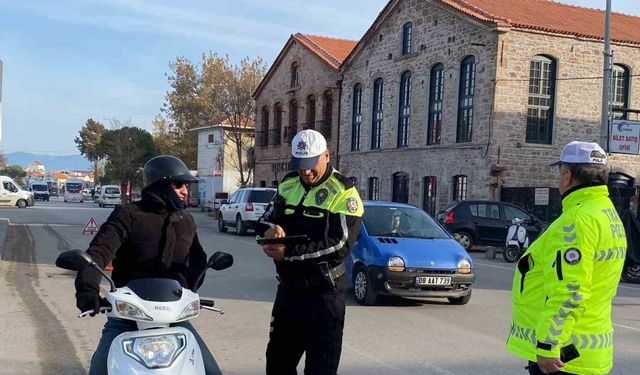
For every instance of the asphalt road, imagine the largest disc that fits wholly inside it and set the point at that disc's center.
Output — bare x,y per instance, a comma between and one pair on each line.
41,334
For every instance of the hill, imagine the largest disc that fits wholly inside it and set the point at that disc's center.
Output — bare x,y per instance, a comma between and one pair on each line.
51,162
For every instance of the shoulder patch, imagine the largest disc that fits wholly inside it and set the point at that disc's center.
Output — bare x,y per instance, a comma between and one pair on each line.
352,205
572,256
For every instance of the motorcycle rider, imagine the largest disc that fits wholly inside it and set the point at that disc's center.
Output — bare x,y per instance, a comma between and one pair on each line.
154,237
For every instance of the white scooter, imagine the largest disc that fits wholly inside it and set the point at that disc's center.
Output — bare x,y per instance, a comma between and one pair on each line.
517,241
154,304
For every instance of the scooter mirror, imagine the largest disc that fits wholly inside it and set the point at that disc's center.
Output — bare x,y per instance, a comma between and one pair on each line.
220,261
73,260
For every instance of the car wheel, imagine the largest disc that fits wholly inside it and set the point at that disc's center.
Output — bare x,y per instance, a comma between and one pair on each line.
363,288
631,272
22,203
511,254
221,227
465,239
241,228
460,300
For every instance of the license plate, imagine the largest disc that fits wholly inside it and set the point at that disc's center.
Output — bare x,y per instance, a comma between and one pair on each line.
432,280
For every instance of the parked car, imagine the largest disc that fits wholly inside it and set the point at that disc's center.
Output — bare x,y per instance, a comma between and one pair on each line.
86,193
110,195
53,191
244,208
403,251
486,222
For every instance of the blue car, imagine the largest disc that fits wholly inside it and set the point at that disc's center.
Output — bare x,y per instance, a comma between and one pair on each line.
402,251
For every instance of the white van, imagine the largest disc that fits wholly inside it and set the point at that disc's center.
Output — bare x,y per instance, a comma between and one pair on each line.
109,195
73,190
12,195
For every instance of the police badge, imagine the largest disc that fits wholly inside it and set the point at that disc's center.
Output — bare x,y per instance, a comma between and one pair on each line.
352,205
321,196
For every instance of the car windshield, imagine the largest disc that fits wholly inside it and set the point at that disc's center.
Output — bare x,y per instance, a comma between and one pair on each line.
74,187
40,187
112,191
383,221
261,196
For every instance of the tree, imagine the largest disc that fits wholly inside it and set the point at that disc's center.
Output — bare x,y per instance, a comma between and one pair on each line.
87,142
127,149
162,137
13,171
3,160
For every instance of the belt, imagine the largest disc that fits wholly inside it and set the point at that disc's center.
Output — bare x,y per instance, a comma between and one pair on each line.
314,280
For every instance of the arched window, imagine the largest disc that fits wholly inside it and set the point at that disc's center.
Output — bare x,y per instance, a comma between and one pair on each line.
310,122
263,134
436,97
400,192
542,87
429,186
465,99
407,36
294,75
378,115
274,137
405,109
459,187
327,114
356,117
620,90
290,131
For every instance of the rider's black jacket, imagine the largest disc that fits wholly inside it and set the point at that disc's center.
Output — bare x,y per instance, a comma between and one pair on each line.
145,239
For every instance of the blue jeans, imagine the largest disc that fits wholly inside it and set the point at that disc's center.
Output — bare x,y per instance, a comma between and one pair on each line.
115,327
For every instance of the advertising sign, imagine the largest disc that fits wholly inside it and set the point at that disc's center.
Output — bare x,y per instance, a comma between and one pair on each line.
542,197
624,137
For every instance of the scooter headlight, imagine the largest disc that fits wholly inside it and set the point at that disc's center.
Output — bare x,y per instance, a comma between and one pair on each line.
130,311
155,351
192,309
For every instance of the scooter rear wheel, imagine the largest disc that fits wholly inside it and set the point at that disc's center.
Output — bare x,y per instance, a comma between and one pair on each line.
511,254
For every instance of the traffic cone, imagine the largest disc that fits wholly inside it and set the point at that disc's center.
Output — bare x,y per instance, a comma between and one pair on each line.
109,267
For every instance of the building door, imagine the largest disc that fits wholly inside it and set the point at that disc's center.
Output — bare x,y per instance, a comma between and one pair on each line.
400,187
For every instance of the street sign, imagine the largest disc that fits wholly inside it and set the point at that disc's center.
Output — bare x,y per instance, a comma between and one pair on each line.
624,137
91,227
541,197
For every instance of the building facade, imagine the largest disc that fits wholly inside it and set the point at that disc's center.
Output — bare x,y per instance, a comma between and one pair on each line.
447,100
300,91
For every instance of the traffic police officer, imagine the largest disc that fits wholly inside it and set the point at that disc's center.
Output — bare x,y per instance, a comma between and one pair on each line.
308,313
565,282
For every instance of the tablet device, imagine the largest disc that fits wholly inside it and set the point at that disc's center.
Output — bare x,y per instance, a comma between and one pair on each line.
289,240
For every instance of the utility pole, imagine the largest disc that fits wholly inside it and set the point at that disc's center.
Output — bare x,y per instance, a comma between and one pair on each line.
606,82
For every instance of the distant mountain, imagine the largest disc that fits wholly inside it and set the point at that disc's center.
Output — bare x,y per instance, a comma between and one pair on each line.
51,162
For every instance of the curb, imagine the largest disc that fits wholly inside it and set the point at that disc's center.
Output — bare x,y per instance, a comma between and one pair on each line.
4,226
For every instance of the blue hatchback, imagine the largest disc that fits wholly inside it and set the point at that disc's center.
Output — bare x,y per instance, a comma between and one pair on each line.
402,251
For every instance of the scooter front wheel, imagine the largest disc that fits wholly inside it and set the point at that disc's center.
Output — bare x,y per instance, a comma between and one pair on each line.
511,254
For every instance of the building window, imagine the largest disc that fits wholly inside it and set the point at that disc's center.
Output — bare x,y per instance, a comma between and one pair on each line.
400,192
459,187
290,131
620,90
262,136
374,189
429,185
407,34
378,104
274,183
356,117
327,114
542,76
436,96
294,75
465,99
405,109
263,183
274,134
211,139
311,113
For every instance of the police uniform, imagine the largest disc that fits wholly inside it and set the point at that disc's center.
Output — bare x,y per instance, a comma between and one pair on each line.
565,282
308,313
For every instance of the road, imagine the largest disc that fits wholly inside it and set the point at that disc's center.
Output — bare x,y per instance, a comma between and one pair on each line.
41,334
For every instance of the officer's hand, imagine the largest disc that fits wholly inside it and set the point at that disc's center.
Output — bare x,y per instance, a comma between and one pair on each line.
87,301
274,251
550,365
275,232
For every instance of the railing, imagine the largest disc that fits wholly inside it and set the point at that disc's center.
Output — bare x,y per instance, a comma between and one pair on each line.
307,125
324,128
262,138
274,136
289,133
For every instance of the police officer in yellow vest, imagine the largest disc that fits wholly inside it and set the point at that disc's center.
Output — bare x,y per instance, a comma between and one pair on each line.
565,282
309,310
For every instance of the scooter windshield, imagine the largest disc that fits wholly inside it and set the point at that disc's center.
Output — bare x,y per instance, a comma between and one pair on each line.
157,290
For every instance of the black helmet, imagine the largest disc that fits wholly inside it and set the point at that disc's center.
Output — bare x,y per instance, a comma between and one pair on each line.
166,168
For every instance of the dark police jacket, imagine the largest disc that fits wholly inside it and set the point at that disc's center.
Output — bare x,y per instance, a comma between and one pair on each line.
329,213
145,240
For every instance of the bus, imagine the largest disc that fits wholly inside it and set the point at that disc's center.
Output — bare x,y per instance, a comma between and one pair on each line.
73,190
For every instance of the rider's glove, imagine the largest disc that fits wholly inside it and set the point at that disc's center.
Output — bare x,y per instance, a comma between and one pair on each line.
87,301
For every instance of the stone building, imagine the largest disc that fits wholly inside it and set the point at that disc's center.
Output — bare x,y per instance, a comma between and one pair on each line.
301,90
448,100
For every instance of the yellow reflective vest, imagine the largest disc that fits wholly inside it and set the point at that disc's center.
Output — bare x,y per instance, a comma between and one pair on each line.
565,282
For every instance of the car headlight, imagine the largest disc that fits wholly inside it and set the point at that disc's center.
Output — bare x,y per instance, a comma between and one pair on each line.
130,311
464,265
192,309
395,264
155,351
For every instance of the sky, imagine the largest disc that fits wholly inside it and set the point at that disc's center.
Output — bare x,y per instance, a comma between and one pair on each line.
69,60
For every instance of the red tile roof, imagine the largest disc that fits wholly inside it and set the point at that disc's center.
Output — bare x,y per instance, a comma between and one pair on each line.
541,15
332,51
